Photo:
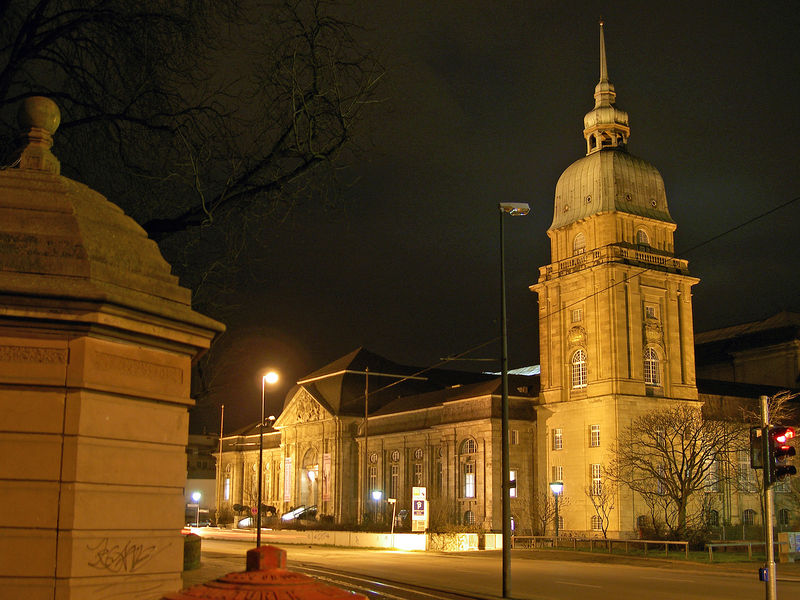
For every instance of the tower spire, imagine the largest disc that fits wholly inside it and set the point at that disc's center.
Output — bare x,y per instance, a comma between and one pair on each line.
605,126
603,65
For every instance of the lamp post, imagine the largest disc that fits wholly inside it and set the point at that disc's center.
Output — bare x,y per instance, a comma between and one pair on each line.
556,487
268,378
393,502
515,209
196,499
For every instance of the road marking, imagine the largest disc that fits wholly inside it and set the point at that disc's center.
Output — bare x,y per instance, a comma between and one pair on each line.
670,579
579,584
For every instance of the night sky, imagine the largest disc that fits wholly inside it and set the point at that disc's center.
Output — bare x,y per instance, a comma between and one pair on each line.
484,103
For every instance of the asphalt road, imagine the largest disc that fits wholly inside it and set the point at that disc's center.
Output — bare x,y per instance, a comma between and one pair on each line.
477,574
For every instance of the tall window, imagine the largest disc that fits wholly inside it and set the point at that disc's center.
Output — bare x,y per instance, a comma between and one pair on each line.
579,244
469,518
712,518
393,483
783,517
642,239
597,482
373,478
577,315
594,436
749,517
418,474
745,473
515,436
440,478
558,473
558,439
226,493
579,369
469,479
652,371
512,477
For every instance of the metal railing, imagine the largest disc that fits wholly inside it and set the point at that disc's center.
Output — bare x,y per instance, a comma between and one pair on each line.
608,544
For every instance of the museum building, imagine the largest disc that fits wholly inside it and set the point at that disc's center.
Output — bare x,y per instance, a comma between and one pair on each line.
616,342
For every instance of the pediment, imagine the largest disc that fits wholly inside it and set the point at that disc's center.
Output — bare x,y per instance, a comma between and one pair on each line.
302,408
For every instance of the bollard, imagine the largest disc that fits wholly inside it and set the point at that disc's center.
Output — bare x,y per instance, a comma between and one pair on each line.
266,577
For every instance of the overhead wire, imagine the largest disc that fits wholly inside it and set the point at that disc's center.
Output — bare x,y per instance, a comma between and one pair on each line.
627,278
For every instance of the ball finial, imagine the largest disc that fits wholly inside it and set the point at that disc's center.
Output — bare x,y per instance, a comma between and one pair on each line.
39,112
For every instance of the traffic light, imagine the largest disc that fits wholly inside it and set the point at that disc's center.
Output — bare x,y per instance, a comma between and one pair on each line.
780,451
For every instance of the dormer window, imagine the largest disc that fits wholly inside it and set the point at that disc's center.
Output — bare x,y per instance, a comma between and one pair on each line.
642,239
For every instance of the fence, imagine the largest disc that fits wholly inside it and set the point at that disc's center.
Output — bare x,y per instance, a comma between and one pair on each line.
535,541
748,545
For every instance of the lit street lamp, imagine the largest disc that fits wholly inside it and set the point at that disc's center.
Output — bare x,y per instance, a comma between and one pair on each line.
515,209
196,499
268,378
376,497
556,487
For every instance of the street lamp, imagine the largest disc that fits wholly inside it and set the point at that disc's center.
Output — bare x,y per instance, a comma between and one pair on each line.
196,499
515,209
393,502
376,497
268,378
556,487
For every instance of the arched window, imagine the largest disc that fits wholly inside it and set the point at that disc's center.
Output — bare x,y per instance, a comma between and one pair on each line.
468,446
579,244
597,523
642,239
713,518
749,517
579,369
469,517
395,456
652,368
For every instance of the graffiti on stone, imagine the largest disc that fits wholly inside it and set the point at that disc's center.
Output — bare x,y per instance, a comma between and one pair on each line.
120,558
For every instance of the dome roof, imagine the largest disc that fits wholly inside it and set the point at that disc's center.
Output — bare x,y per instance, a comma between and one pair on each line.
609,180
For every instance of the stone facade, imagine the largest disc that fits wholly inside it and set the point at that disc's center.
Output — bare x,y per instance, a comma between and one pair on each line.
96,338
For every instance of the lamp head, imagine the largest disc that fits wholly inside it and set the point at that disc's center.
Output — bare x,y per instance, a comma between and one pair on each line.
196,496
515,209
270,377
556,487
377,495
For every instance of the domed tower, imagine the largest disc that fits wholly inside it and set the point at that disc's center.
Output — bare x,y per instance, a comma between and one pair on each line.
615,312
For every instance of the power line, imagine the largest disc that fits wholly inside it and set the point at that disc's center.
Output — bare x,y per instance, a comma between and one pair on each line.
625,279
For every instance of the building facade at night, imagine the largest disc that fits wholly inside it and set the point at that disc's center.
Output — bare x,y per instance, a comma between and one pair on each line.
616,342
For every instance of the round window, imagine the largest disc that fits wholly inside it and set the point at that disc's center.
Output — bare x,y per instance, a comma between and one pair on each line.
373,458
418,453
395,455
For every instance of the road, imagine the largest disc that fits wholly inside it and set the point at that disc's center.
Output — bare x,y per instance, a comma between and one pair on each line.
477,574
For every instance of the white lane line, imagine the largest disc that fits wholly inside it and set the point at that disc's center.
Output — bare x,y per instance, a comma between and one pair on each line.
579,584
670,579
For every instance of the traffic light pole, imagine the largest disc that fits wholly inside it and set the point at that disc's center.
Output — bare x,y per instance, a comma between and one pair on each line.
769,540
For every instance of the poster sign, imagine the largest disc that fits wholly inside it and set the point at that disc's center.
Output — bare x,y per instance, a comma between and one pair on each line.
326,477
288,474
419,509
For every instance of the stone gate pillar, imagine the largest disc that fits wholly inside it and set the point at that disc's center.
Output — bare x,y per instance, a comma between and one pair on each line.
96,344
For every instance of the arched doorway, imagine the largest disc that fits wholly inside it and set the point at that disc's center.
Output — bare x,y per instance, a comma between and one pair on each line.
309,478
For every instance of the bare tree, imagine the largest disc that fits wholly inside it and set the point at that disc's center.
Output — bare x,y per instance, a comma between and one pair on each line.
603,498
669,456
198,110
544,508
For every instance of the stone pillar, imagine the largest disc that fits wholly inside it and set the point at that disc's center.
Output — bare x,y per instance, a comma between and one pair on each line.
96,345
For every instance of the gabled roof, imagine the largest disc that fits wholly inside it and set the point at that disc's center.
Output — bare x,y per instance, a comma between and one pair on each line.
341,384
519,385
